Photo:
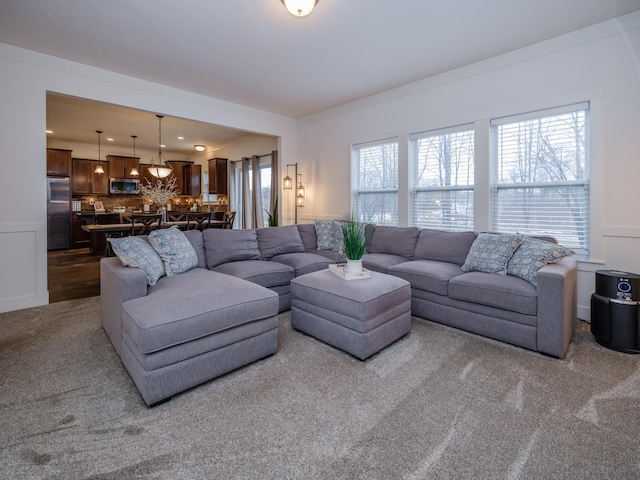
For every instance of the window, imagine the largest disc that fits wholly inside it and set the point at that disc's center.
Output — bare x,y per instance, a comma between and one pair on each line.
542,175
441,165
375,182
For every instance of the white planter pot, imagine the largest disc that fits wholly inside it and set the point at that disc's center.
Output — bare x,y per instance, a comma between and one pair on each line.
354,267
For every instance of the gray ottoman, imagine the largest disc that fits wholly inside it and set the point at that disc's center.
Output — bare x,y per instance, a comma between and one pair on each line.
360,317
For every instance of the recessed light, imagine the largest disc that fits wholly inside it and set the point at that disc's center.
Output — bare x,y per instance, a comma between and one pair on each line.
48,131
180,138
109,139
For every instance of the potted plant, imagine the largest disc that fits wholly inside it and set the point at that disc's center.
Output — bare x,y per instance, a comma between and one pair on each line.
273,216
355,243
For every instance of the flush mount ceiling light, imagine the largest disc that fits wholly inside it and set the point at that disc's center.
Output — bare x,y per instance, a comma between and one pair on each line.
300,8
200,148
99,168
158,166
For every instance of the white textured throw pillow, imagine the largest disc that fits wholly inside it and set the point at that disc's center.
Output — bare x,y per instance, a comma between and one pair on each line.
490,253
175,250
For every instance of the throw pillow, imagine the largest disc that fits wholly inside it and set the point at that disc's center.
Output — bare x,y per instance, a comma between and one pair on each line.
324,232
174,249
532,255
490,253
338,236
136,252
278,240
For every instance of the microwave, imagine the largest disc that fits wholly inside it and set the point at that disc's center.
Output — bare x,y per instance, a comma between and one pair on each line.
126,186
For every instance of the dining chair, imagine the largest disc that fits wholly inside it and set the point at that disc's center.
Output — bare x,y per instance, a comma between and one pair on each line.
229,217
174,216
198,220
145,223
109,219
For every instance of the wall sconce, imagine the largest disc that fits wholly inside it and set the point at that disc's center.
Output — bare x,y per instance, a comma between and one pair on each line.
288,185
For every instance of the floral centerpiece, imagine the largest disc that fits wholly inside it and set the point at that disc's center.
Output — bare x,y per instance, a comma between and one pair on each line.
160,192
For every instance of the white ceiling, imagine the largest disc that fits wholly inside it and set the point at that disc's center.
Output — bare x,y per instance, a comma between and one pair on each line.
254,53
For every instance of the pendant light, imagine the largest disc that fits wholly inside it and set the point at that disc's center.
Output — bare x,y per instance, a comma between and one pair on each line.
134,171
159,167
99,168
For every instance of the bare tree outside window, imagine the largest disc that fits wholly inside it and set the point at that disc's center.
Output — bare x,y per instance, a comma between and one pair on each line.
442,179
375,182
542,184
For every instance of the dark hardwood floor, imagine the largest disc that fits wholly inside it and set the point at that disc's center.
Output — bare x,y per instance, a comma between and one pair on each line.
73,274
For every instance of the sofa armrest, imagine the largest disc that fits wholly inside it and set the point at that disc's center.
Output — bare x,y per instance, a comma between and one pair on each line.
118,284
557,306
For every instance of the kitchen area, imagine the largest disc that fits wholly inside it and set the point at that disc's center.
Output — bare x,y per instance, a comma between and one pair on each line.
84,192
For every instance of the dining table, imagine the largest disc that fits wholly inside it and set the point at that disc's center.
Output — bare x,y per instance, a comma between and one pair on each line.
98,233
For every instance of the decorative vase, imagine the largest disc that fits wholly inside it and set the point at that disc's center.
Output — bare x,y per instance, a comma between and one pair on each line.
354,267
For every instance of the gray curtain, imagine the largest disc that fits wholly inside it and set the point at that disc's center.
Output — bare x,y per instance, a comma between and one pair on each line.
275,180
256,194
246,197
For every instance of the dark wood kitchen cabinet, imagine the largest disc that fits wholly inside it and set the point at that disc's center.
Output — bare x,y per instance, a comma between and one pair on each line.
58,162
191,183
85,180
121,167
218,176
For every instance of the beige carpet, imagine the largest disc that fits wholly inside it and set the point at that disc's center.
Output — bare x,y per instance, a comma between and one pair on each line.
438,404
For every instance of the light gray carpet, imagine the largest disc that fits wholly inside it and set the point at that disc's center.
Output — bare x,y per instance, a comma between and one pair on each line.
439,403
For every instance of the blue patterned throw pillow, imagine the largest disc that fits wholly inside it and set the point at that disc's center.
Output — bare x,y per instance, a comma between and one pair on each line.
490,253
174,249
325,234
532,255
136,252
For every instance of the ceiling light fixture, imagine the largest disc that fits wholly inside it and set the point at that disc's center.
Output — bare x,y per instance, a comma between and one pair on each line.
200,148
134,171
99,168
158,166
300,8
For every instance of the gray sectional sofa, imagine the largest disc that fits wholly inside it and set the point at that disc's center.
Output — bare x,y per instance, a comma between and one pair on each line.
190,327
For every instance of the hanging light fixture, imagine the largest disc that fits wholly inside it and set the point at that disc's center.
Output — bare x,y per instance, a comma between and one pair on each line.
200,148
287,182
300,195
159,167
300,8
99,168
134,171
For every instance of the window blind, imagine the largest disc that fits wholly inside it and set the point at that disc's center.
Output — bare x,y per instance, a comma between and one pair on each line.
541,175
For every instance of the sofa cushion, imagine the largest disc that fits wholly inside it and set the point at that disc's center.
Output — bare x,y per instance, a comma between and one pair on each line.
195,238
394,240
501,291
308,236
303,263
531,255
452,247
427,275
174,249
325,235
278,240
380,262
263,272
192,305
222,245
490,253
136,252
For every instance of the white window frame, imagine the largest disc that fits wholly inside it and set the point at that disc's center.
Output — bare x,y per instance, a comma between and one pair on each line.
454,223
582,185
387,189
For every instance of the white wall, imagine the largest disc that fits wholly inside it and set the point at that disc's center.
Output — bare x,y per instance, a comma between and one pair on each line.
599,64
25,78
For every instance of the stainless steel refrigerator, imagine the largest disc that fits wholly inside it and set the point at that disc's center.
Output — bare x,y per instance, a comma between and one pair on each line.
58,213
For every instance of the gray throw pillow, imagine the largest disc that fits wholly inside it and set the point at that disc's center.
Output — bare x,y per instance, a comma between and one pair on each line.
308,236
222,245
174,249
274,241
324,232
490,253
532,255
